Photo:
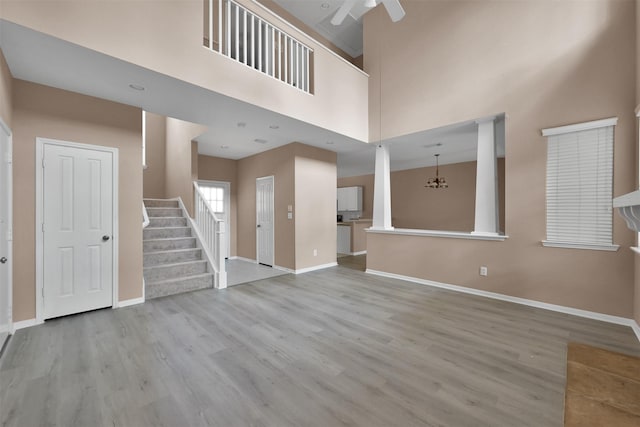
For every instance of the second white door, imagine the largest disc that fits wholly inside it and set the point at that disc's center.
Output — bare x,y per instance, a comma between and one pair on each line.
264,221
78,200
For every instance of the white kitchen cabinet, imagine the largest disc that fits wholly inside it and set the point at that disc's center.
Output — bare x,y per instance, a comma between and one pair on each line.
349,199
344,239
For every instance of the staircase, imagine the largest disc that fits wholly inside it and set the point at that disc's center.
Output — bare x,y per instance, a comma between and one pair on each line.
173,263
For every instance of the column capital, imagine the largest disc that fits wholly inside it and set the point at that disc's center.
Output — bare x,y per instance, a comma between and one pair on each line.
486,119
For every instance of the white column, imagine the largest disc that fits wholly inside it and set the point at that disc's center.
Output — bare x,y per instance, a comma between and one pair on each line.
486,180
382,191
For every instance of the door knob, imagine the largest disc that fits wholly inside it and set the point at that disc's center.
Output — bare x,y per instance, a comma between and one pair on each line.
258,225
3,260
105,238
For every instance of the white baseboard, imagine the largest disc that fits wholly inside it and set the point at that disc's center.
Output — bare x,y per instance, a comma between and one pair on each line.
636,328
532,303
316,267
129,302
288,270
358,253
25,324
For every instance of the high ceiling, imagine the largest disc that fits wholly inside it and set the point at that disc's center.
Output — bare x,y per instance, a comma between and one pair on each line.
317,14
236,129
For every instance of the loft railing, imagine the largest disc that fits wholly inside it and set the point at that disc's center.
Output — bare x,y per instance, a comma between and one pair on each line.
211,233
236,32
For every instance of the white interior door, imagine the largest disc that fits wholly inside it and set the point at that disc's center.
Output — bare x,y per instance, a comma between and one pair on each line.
5,234
78,229
218,195
264,220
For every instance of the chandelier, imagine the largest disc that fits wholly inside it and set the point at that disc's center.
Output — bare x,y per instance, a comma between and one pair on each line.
438,181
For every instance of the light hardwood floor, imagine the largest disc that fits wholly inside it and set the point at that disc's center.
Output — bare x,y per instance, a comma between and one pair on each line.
328,348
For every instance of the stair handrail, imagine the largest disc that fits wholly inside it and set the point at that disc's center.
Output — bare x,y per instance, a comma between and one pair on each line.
212,231
145,216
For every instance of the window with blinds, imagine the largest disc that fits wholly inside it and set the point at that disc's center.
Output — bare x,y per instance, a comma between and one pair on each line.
580,185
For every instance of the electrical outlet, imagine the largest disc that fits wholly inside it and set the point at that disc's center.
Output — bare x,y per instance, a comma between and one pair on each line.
315,252
484,271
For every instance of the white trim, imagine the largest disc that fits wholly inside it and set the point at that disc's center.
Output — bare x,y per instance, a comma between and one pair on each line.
635,249
9,185
273,218
517,300
307,269
580,127
315,267
145,216
227,208
130,302
320,45
358,253
437,233
39,217
288,270
569,245
636,328
26,324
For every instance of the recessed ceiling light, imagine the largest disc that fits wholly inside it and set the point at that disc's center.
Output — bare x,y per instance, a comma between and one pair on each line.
274,127
325,5
136,87
439,144
241,124
260,141
224,147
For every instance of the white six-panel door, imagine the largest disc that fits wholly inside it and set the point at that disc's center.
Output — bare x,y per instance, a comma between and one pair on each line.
5,233
78,225
264,221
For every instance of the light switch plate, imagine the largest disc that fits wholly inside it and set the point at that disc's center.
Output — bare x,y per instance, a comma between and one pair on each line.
289,215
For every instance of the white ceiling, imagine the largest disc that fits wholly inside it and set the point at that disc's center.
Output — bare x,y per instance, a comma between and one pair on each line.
39,58
36,57
347,36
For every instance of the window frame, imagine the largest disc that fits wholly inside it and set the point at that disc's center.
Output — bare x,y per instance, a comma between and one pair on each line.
575,128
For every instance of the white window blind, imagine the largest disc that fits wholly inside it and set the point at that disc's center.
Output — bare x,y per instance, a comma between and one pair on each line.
579,186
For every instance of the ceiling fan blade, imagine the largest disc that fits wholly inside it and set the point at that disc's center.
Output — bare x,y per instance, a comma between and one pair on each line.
342,12
394,9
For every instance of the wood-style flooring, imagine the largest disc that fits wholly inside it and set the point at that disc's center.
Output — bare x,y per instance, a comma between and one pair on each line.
328,348
603,388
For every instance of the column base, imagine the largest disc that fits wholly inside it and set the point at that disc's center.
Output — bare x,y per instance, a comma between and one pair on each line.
485,233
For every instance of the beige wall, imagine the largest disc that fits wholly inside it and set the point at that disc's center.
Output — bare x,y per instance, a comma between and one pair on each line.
544,63
154,174
179,152
6,113
226,170
315,206
278,162
305,179
41,111
636,305
453,209
413,206
166,37
636,299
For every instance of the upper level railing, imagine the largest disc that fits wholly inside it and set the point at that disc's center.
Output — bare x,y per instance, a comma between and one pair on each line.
238,33
211,232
